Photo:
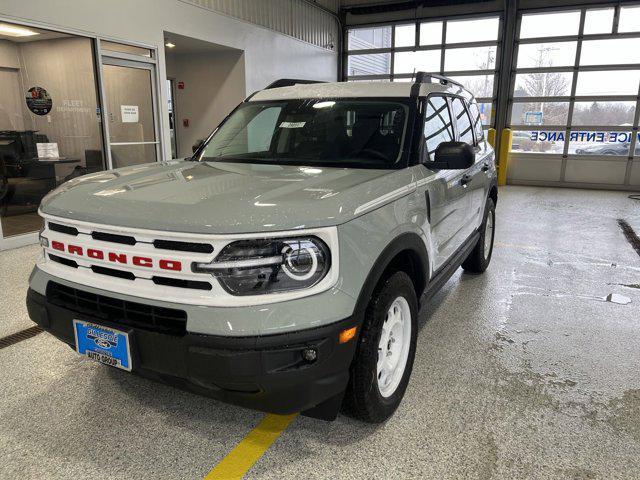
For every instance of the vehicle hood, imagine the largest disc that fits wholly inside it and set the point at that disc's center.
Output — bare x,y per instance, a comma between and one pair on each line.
216,197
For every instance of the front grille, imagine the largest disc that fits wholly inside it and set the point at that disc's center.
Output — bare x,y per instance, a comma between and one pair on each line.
56,227
183,246
121,312
113,272
112,237
63,261
179,283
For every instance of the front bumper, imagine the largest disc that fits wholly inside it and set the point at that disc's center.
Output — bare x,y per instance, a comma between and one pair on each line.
265,373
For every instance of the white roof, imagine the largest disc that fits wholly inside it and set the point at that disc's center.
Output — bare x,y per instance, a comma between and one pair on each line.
352,90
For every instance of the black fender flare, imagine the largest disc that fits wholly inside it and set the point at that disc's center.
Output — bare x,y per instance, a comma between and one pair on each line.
408,241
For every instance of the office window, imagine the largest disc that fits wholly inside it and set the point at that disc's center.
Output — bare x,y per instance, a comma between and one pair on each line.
50,128
437,126
123,48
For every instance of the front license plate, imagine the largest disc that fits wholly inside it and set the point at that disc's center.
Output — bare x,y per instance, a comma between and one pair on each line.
103,344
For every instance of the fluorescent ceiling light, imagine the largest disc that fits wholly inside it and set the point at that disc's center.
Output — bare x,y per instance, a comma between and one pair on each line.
15,31
169,45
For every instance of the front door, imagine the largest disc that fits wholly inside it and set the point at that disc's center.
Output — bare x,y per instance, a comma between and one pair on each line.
444,190
474,179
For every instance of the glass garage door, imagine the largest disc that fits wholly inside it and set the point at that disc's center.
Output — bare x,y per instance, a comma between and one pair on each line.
466,49
574,98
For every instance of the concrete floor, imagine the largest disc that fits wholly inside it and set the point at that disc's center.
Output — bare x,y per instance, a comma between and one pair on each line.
524,372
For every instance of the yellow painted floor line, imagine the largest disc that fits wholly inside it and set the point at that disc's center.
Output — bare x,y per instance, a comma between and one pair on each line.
251,448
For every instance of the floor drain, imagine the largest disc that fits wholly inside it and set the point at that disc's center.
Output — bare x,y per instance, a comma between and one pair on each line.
19,336
630,235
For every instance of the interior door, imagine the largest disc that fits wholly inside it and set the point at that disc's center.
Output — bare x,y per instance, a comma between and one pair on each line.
129,91
444,190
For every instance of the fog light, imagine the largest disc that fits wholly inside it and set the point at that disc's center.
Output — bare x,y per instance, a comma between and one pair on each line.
309,354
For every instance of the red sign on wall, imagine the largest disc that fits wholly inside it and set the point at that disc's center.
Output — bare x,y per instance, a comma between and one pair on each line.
180,85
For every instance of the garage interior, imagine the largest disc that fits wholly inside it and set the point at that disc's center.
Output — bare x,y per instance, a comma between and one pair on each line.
528,371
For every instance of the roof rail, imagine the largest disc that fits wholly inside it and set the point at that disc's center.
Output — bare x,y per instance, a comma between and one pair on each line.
289,82
424,77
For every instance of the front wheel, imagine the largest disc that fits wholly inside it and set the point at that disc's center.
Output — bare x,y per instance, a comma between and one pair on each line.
480,257
384,358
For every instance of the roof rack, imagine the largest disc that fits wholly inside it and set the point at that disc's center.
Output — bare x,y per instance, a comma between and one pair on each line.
289,82
424,77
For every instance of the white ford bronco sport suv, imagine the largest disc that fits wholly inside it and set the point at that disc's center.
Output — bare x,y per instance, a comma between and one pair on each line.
281,267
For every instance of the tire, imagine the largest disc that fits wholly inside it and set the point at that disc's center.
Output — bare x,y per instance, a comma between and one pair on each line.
480,257
367,398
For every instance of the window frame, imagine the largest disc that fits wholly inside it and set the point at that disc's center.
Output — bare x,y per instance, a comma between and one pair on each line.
442,47
465,110
572,97
424,157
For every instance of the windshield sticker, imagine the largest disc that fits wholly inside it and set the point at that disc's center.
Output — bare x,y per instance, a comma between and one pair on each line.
292,124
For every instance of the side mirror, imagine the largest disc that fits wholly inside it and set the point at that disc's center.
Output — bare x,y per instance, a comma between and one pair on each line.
197,145
454,156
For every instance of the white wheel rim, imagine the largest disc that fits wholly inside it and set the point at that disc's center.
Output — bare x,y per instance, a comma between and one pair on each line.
488,235
393,349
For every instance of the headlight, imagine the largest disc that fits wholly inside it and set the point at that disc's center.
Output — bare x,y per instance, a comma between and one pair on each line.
258,267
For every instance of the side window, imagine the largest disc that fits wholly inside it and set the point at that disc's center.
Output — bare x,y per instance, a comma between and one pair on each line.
477,121
465,130
437,125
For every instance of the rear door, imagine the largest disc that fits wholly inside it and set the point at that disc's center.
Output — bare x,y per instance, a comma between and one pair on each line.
483,171
445,196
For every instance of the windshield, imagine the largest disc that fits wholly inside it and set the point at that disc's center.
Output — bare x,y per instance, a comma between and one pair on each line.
325,132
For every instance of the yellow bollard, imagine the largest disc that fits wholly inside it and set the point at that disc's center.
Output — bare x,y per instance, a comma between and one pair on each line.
491,137
503,158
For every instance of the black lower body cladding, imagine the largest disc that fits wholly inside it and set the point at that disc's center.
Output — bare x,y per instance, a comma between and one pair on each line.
267,373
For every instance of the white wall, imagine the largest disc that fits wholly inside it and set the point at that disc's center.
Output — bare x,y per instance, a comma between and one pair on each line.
268,55
214,85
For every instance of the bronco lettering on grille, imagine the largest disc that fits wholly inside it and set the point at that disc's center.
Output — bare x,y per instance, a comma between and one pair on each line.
116,257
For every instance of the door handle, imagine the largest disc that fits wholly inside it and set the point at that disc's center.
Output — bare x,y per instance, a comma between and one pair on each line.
464,181
485,167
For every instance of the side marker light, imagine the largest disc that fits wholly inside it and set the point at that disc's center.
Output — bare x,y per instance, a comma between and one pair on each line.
347,334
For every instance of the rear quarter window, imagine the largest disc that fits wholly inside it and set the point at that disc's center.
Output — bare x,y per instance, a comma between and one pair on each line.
465,128
477,121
